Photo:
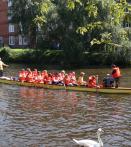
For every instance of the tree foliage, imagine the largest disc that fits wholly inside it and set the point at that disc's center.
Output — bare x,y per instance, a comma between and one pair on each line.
79,25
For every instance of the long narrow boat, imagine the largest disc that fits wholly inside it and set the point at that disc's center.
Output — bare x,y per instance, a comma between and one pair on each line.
120,90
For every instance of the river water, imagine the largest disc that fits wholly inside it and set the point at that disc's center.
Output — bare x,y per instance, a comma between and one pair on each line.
52,118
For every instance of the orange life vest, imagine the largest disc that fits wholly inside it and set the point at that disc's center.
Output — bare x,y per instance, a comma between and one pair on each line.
29,77
116,72
22,76
91,81
66,80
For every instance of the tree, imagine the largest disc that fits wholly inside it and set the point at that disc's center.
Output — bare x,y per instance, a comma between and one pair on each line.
30,15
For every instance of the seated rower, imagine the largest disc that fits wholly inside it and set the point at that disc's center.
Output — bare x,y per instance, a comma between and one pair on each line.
45,76
73,79
62,74
38,78
35,72
30,77
80,80
92,81
49,79
67,80
108,81
55,79
22,75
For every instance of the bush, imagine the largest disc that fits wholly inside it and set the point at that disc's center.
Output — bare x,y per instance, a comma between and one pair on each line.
32,56
67,59
5,54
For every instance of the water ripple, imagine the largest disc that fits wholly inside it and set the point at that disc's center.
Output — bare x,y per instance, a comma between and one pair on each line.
46,118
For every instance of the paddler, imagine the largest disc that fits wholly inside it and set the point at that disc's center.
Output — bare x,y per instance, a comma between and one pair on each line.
80,80
2,64
116,74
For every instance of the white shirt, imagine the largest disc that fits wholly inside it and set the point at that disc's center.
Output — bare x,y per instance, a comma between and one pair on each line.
1,65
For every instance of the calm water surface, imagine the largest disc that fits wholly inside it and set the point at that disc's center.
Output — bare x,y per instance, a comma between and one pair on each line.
51,118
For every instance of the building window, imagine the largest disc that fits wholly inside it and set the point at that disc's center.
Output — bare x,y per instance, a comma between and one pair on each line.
9,3
1,40
11,40
127,24
20,40
11,28
23,40
10,14
126,10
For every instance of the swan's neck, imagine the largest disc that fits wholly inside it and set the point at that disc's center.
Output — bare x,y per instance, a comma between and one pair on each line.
99,140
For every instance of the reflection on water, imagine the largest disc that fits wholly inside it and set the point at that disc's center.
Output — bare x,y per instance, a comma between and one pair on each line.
45,118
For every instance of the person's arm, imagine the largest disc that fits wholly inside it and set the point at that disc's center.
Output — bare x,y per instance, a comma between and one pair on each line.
5,64
114,71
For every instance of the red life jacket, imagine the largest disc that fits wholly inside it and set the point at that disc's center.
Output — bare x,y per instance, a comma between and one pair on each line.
66,80
91,82
22,76
29,77
116,72
35,73
39,79
49,80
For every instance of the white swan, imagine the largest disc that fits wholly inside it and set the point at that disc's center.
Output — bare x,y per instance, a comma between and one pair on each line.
91,143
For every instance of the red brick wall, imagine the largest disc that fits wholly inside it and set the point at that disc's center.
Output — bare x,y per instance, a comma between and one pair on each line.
4,20
4,26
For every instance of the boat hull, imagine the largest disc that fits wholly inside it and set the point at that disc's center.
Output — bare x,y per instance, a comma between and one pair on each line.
120,90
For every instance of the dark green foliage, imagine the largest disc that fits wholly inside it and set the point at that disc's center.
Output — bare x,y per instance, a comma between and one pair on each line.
32,56
79,26
4,54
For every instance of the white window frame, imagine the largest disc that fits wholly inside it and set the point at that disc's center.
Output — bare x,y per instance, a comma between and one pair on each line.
127,25
20,40
11,28
9,3
11,40
25,41
1,39
10,14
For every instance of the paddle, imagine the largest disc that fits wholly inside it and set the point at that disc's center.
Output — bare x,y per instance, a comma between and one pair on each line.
97,82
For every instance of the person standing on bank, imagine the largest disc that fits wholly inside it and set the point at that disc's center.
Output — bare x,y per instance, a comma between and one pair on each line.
2,64
116,74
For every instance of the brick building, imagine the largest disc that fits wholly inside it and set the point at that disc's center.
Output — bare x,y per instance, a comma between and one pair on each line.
4,34
9,35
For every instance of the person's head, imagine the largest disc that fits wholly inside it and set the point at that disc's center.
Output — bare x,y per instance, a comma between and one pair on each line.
28,69
82,73
66,75
108,75
93,77
35,69
113,65
39,72
50,74
63,71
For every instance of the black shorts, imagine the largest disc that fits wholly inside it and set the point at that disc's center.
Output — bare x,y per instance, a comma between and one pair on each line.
117,80
1,73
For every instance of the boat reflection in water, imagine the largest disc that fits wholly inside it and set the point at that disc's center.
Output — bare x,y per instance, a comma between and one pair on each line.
40,117
63,102
34,98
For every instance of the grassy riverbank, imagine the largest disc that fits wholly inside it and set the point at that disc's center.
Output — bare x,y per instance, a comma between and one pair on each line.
31,56
57,57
